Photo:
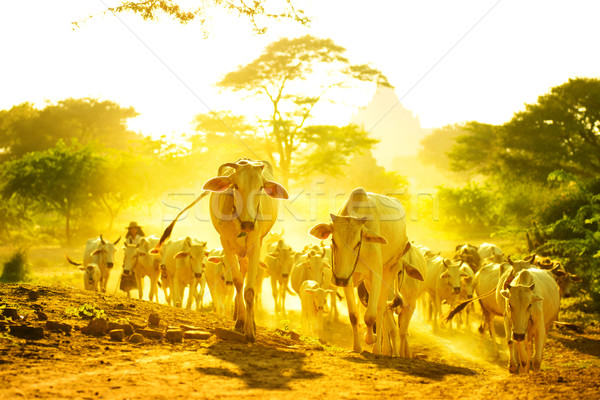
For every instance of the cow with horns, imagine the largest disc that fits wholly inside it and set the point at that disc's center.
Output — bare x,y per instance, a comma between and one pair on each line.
243,209
98,253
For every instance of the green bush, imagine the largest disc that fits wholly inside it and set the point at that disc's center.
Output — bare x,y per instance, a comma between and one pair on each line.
16,269
470,208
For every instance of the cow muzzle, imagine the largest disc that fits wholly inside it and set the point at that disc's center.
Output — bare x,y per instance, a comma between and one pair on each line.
519,337
198,275
247,226
456,290
126,272
341,282
285,276
109,265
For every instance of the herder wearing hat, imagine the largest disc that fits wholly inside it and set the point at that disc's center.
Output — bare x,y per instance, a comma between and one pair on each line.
134,233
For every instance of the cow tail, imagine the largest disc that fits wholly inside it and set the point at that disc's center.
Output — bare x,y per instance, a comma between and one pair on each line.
461,306
72,262
167,233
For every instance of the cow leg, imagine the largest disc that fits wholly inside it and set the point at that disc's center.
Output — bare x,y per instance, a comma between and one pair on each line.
253,260
404,319
513,367
232,265
372,314
140,285
353,314
283,289
275,293
540,340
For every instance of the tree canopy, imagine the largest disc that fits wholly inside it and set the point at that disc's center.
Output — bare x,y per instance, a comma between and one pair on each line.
293,75
257,11
24,128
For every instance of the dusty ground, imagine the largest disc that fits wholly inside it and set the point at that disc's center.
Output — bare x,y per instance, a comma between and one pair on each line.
449,365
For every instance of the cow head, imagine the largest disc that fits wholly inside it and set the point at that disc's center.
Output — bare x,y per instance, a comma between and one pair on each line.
192,254
136,253
88,272
348,234
519,301
281,260
458,275
563,278
468,253
316,262
319,297
246,183
104,253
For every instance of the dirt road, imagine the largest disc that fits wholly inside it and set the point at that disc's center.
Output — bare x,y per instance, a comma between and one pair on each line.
77,365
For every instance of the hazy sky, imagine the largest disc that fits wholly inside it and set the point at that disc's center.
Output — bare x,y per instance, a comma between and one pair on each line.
450,61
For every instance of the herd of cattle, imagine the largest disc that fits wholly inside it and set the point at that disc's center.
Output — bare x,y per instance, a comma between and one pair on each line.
370,262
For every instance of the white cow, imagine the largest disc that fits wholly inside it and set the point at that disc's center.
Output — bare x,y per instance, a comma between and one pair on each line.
101,253
313,265
445,281
243,209
491,252
368,240
530,304
91,277
183,260
139,261
279,262
220,283
313,299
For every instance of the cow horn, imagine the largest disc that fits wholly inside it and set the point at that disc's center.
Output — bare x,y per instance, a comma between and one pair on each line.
117,241
510,261
231,165
102,240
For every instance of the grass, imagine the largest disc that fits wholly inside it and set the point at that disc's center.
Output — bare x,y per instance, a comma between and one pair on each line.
17,268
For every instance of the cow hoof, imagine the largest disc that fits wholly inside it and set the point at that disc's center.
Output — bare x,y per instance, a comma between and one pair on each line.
370,339
239,326
513,369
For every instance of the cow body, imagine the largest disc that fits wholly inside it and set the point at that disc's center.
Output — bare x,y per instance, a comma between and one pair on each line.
91,277
243,210
101,253
219,283
139,261
279,262
468,254
530,302
183,264
368,240
490,252
445,281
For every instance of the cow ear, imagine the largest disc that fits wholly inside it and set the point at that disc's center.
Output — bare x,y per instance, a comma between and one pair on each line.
413,272
217,184
182,254
505,293
215,259
321,231
263,265
406,248
97,251
371,237
575,278
81,268
444,275
467,271
536,298
558,272
275,190
532,286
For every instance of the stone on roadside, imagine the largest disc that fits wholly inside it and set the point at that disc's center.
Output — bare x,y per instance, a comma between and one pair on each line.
55,326
199,335
27,332
96,327
117,335
150,333
42,316
174,335
226,334
154,319
10,312
33,295
136,338
128,329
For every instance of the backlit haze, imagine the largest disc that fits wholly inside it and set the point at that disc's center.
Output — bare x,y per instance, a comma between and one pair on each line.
448,61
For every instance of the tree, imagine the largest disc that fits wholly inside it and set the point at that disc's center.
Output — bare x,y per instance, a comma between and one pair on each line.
257,11
24,128
561,131
60,179
435,146
475,150
294,75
